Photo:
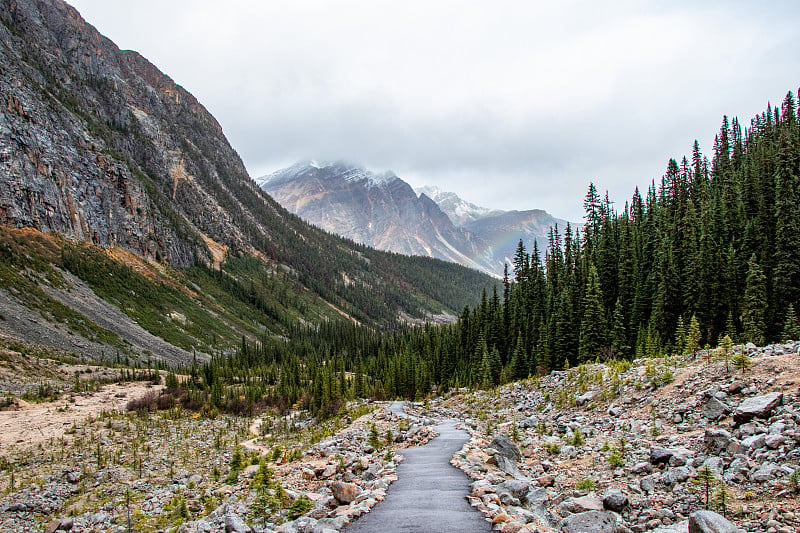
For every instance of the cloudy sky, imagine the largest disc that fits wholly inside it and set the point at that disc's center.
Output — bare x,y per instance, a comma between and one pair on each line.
511,104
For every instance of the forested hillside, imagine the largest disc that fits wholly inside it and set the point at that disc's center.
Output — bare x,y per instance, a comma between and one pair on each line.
712,249
99,146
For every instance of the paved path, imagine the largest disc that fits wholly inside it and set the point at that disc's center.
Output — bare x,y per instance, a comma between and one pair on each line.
429,494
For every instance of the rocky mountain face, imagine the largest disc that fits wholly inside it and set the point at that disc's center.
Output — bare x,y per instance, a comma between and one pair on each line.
385,212
459,210
98,145
378,210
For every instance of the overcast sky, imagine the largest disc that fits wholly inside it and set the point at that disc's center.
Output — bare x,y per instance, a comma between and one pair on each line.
511,104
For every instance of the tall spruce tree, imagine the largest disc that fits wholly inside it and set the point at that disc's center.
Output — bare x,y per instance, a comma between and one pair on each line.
593,325
754,306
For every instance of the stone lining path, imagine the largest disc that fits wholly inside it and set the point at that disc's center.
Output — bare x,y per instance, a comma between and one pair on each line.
429,494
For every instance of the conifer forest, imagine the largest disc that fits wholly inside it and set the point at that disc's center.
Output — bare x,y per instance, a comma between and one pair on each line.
710,250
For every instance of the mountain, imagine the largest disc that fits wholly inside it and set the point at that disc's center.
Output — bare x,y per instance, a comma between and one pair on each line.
383,211
500,231
379,210
503,231
459,210
101,148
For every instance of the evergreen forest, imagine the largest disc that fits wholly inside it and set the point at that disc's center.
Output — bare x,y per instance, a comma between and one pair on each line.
711,250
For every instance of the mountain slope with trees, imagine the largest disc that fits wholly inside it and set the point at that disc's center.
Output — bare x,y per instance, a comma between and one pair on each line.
712,250
98,145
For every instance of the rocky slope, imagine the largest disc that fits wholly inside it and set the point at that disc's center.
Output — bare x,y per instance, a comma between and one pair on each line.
98,145
603,448
625,448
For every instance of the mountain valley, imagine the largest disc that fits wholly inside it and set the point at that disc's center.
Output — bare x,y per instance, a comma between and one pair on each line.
186,349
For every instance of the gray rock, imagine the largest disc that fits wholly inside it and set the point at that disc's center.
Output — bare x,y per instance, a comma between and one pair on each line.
680,527
590,522
506,447
715,409
757,407
582,504
509,466
235,524
585,397
710,522
715,464
675,475
517,488
765,472
716,440
537,496
660,455
615,500
751,444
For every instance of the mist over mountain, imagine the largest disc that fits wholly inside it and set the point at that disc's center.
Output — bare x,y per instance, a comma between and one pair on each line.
383,211
99,147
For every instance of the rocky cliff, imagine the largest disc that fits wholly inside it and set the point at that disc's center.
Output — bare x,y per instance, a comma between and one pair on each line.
98,145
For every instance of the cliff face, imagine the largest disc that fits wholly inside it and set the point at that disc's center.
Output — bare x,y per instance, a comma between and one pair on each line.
98,144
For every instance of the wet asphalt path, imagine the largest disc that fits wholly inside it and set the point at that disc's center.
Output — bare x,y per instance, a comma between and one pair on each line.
429,494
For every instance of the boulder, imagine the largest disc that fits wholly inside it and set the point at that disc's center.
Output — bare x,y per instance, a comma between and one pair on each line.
716,440
509,466
344,493
582,504
615,500
765,472
518,489
675,475
715,409
660,455
710,522
235,524
585,397
506,447
546,480
590,522
757,407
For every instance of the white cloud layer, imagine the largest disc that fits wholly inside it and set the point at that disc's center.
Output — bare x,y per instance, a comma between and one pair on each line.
512,104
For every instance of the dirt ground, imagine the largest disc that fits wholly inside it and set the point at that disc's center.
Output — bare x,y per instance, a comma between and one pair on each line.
34,423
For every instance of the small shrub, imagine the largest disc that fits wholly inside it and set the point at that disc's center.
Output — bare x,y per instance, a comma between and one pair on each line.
552,448
615,459
585,484
299,507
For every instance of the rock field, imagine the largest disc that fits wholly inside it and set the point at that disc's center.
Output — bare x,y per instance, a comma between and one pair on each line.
605,449
668,446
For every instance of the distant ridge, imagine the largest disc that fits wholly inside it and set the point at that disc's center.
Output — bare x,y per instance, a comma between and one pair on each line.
382,210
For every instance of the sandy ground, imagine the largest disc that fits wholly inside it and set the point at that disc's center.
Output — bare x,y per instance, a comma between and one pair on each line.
34,423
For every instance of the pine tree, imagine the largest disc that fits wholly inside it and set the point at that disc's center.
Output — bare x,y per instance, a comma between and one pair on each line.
726,344
693,337
754,306
593,325
619,333
791,326
705,480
